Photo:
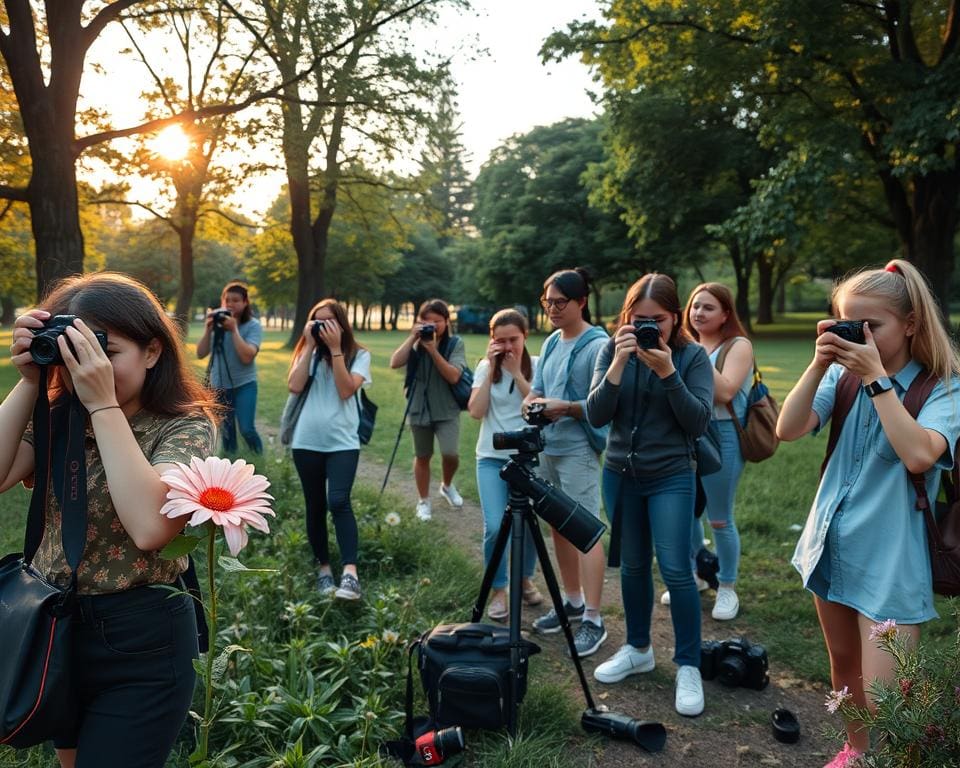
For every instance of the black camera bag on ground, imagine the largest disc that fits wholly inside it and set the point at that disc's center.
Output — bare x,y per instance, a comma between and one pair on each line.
465,671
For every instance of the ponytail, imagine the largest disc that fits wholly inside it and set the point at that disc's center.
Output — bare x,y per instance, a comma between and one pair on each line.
908,293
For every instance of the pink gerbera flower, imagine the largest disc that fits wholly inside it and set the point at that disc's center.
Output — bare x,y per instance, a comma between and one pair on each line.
227,493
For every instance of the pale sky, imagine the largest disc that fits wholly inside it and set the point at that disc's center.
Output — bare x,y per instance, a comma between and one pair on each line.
502,92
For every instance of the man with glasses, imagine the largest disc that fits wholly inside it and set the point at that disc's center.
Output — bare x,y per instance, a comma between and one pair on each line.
571,459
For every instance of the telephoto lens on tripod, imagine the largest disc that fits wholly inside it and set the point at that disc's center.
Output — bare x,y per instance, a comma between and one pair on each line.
434,747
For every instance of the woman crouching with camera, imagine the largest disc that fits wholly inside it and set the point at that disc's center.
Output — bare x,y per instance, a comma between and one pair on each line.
434,360
325,443
133,644
654,385
500,383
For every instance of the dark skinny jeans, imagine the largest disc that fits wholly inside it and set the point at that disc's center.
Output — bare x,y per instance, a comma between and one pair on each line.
327,479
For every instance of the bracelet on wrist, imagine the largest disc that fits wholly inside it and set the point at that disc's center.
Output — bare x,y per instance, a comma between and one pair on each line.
102,408
336,354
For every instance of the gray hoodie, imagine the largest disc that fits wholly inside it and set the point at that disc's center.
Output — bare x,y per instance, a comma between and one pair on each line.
673,412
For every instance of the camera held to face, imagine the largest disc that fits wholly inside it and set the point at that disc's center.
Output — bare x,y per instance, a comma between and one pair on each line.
428,331
219,315
44,348
849,330
736,662
647,332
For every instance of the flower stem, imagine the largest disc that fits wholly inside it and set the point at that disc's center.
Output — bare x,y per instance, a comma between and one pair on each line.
211,643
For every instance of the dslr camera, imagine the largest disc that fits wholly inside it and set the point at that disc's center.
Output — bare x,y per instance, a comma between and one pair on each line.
849,330
315,327
647,332
427,331
44,349
219,315
528,440
736,662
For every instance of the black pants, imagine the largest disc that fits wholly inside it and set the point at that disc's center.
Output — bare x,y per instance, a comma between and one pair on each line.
133,663
327,479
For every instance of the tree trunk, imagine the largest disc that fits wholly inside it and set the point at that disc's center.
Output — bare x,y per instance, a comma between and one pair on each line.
8,312
935,218
764,291
299,190
742,267
185,234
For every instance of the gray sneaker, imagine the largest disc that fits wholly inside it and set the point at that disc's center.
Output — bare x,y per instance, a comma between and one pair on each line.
325,584
550,622
589,637
349,588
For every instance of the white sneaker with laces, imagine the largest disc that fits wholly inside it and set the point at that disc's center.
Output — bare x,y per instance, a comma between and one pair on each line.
453,497
701,587
727,605
689,699
424,509
627,661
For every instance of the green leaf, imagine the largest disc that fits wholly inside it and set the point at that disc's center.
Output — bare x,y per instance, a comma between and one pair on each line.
232,565
180,546
220,663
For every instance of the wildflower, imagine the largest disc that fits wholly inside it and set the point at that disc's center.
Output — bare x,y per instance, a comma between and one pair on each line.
370,642
835,699
392,518
885,630
389,636
424,582
228,494
906,685
370,716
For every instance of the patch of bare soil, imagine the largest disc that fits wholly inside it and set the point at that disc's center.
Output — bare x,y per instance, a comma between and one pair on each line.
735,729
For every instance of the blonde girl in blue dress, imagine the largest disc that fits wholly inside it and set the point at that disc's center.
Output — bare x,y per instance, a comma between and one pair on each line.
863,551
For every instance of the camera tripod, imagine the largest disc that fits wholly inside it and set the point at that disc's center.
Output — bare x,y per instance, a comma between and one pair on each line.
519,519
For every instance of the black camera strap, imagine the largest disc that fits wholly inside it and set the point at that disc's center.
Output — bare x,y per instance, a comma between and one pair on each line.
59,435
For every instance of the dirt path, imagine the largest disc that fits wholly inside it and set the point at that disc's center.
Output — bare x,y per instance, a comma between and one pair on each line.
733,731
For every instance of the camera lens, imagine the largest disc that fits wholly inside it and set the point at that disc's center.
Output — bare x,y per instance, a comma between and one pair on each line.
44,349
733,670
449,741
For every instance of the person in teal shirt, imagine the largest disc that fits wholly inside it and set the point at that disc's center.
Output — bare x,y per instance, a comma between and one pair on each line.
863,551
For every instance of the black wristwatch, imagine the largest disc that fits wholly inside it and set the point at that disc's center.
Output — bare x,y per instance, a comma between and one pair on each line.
875,387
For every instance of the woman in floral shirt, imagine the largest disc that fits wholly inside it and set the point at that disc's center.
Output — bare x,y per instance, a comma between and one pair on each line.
134,644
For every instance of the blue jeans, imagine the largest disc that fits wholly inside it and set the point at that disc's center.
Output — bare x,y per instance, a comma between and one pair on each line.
241,404
656,512
494,494
721,490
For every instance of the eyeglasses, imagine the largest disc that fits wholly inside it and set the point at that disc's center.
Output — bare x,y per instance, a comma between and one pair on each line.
560,304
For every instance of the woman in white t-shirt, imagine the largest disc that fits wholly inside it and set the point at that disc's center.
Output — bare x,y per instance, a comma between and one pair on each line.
326,447
500,383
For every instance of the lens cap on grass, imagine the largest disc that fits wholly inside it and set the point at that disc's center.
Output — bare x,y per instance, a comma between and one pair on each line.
786,728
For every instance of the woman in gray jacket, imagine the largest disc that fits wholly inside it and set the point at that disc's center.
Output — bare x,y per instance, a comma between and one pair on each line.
654,385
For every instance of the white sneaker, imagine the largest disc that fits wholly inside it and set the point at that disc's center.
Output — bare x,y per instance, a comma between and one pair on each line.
701,586
627,661
727,605
689,699
424,509
450,493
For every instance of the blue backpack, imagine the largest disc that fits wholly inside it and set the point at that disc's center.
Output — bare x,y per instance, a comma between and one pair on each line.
596,436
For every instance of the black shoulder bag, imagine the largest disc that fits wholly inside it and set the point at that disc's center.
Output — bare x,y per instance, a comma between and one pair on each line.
36,617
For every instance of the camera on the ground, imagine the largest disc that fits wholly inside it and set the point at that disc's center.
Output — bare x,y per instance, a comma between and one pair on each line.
219,315
647,332
735,662
44,348
427,331
849,330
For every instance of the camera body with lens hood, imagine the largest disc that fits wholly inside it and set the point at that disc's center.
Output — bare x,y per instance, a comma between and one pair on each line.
44,348
647,332
219,315
428,331
735,662
849,330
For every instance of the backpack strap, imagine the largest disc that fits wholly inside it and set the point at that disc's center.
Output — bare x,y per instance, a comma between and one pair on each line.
725,347
914,399
844,396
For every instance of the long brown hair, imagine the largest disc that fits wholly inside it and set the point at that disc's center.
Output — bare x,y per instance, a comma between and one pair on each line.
661,289
241,290
511,317
348,343
731,327
907,292
122,305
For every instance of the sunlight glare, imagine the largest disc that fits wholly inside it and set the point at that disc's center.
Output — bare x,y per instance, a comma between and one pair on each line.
171,143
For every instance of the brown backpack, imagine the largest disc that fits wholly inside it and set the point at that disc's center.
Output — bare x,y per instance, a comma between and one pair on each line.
758,437
943,524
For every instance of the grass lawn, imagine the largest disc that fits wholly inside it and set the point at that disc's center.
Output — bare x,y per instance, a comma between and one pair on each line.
773,497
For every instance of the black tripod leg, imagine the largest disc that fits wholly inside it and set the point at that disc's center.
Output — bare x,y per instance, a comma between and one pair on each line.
499,547
517,510
396,445
554,589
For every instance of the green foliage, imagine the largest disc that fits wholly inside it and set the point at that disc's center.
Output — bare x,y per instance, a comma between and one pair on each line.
534,215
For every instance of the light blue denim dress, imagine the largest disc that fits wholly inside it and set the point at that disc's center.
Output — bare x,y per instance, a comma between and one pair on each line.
864,544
